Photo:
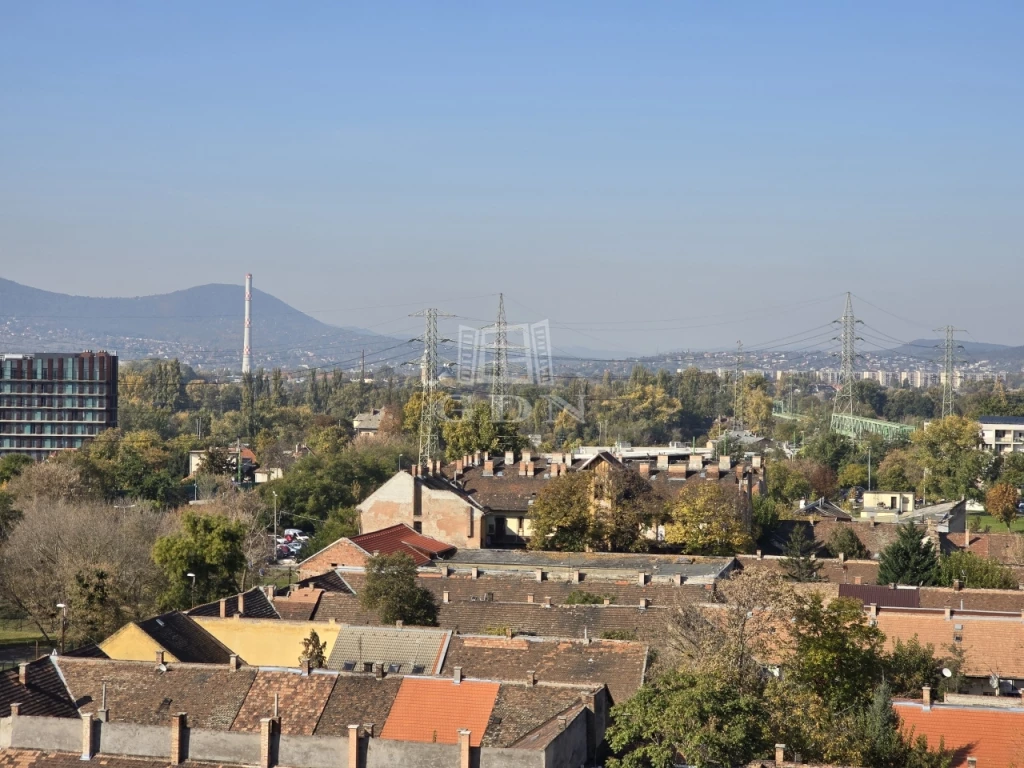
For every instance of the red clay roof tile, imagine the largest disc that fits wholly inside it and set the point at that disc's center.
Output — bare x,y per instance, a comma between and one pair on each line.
436,710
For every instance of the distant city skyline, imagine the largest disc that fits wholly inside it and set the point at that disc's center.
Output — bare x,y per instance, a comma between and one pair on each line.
647,178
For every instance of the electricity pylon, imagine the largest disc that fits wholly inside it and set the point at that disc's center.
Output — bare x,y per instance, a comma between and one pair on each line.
843,403
430,406
949,368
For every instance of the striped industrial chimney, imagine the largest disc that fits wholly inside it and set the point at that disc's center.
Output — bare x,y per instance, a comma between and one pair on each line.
247,341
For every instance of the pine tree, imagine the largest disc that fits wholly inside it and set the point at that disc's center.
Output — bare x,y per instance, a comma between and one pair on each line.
798,564
910,559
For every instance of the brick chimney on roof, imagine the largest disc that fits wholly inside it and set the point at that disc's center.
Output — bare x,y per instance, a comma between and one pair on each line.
510,458
241,603
644,468
662,461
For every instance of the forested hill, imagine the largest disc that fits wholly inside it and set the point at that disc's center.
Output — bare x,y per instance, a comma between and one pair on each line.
202,324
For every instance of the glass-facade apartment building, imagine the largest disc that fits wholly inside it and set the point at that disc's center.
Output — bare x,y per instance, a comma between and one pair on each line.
55,401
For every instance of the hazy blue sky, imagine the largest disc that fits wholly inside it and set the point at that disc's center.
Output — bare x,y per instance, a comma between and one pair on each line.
604,164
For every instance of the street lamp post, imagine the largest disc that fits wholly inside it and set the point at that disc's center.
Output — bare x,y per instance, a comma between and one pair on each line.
193,577
63,624
275,520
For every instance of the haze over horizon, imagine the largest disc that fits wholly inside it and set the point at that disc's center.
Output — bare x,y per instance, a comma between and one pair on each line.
648,178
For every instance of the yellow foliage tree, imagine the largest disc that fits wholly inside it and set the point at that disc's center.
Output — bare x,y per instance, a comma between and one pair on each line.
709,518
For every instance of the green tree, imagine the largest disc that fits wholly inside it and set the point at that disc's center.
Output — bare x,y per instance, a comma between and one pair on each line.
900,471
561,515
974,571
853,475
885,745
216,461
948,449
392,592
910,666
703,717
339,523
314,651
211,547
1001,502
786,483
910,559
799,563
632,509
835,650
1011,469
709,518
831,449
475,431
12,464
844,541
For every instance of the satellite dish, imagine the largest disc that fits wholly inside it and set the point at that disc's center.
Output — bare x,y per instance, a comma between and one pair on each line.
946,672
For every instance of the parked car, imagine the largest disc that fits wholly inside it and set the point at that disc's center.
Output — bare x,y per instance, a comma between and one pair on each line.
295,534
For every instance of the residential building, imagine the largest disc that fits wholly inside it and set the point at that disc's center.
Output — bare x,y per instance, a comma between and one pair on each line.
232,454
135,713
367,424
992,642
481,501
55,401
893,501
978,731
352,552
1002,434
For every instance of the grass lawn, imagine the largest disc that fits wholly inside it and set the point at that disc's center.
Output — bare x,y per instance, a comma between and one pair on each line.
997,526
280,576
18,632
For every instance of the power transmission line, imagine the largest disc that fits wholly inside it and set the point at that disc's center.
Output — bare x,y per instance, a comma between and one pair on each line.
843,403
430,418
737,389
948,368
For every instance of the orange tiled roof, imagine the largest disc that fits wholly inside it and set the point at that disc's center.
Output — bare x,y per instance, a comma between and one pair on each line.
436,710
401,538
991,643
994,736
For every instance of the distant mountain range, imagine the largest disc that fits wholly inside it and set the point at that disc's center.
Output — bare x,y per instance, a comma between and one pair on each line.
202,326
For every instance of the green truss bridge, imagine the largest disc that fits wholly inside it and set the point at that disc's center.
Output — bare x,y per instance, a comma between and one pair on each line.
857,426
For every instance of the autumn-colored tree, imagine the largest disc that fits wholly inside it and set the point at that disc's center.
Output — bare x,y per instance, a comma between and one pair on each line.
561,515
1001,502
900,471
853,475
709,518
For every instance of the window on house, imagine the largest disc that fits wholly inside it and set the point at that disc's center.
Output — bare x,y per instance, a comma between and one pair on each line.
393,668
417,669
348,666
367,666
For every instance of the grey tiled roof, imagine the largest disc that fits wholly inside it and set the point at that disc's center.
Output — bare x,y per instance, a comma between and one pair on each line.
255,605
690,568
406,647
185,639
139,692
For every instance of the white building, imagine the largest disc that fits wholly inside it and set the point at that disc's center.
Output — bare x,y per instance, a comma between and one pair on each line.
1002,434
